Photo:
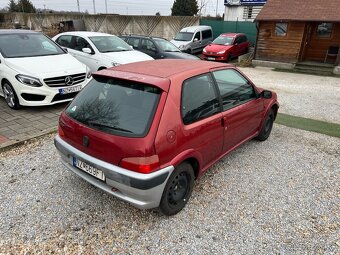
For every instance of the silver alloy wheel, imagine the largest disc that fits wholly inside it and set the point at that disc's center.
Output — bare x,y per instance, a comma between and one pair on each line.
9,95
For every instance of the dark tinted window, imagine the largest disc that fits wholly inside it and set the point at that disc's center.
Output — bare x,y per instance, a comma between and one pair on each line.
116,107
148,45
134,42
206,34
234,88
199,99
65,41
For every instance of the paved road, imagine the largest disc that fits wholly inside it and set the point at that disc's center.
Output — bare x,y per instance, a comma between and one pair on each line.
280,196
26,122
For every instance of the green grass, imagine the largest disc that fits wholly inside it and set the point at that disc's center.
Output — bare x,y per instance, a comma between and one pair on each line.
317,126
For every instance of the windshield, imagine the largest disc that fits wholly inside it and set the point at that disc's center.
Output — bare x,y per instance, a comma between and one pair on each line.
116,107
27,45
109,44
184,36
223,40
165,45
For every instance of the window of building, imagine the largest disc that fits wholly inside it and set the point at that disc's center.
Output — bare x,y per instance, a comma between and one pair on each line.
199,99
324,30
281,29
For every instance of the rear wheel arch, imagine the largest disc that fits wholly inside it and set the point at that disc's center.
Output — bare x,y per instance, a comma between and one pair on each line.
102,68
275,108
195,165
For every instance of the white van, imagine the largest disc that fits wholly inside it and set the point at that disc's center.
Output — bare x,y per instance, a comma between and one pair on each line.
193,39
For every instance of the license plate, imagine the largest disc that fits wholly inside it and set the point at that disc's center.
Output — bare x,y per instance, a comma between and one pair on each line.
209,58
88,169
69,90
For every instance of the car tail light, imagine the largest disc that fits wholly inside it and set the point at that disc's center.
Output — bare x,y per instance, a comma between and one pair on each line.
61,132
144,165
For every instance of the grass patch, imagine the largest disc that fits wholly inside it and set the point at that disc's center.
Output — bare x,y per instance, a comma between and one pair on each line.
317,126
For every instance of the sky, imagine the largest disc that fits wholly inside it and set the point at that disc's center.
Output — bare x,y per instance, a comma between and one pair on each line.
127,7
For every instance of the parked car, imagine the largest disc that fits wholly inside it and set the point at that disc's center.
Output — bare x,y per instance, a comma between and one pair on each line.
193,39
36,71
99,50
226,46
143,132
156,47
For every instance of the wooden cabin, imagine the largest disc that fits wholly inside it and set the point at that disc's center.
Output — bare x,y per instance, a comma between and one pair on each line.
294,31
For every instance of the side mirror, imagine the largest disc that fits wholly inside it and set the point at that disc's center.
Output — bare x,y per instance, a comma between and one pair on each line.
195,40
65,49
131,47
235,44
267,94
87,50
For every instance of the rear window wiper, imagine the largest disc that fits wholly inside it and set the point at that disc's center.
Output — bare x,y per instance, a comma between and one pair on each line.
93,123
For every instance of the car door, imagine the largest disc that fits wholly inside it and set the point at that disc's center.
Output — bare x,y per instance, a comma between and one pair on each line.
237,46
148,47
197,42
89,59
206,37
201,115
242,108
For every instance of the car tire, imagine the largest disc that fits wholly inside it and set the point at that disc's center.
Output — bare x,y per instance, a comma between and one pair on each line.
266,127
177,190
10,96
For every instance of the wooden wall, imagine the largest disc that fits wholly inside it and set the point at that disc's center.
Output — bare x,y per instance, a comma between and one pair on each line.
316,48
279,48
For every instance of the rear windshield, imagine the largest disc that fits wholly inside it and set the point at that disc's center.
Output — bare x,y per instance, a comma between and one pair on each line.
116,107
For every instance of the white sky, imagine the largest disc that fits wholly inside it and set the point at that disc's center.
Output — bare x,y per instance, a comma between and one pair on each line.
136,7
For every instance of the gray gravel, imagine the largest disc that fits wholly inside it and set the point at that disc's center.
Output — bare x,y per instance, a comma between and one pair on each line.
310,96
281,196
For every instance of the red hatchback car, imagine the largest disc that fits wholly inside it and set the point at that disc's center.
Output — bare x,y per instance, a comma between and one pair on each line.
145,131
226,46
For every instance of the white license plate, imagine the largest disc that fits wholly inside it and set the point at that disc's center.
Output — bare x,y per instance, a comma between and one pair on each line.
209,58
69,90
88,169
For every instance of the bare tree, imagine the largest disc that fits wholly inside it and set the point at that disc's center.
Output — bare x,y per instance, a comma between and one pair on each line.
202,4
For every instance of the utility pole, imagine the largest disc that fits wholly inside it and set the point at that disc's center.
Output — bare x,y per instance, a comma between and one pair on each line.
94,6
216,7
106,6
78,5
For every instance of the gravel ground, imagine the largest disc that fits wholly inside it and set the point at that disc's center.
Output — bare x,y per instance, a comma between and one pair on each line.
310,96
281,196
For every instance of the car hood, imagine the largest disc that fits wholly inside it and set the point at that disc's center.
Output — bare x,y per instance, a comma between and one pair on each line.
46,66
179,43
178,55
125,57
217,47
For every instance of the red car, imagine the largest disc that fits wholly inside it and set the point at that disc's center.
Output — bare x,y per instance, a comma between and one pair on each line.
145,131
226,46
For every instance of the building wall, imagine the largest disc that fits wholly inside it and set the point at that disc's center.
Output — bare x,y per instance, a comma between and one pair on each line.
241,12
279,48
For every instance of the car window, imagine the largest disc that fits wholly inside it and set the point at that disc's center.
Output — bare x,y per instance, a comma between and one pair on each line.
198,36
27,45
199,99
109,44
148,45
124,108
234,88
206,34
134,42
65,41
165,45
81,43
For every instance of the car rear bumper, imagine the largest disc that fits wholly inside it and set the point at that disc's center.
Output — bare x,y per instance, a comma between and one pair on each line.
141,190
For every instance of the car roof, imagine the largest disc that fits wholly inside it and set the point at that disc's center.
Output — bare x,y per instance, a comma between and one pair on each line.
232,34
85,33
18,31
194,28
159,72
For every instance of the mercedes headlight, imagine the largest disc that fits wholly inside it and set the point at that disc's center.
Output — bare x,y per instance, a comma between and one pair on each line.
28,80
